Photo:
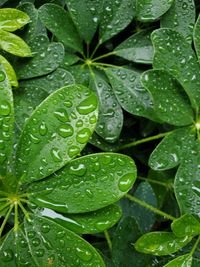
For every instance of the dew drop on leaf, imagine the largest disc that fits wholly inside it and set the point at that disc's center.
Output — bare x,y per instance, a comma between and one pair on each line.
61,115
83,136
56,155
5,108
65,130
83,254
87,106
7,255
79,170
125,182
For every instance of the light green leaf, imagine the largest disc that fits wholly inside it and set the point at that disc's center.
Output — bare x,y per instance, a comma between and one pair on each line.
137,48
170,101
56,132
86,15
86,223
175,55
196,37
186,225
86,184
176,146
46,58
13,44
150,10
9,71
58,21
180,17
181,261
12,19
187,184
130,93
160,243
116,16
110,119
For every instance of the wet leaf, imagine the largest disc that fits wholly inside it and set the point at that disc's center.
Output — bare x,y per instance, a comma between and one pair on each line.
80,73
137,48
69,59
86,184
9,71
160,243
181,261
175,55
169,99
58,21
56,132
196,37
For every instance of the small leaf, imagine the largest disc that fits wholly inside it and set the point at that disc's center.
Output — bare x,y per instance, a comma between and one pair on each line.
13,44
181,261
9,71
110,119
160,243
150,10
12,19
175,55
186,225
86,223
173,149
180,17
170,101
56,132
86,184
58,21
137,48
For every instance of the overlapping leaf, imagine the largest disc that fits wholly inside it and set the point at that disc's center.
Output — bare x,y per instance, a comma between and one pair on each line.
181,261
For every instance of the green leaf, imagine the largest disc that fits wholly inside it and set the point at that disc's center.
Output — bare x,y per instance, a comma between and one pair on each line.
6,121
176,146
80,73
9,71
137,48
175,55
186,225
150,10
100,143
181,261
58,21
116,16
12,19
56,132
196,37
86,223
86,15
69,59
160,243
130,93
180,17
46,58
13,44
187,183
170,101
195,262
110,119
86,184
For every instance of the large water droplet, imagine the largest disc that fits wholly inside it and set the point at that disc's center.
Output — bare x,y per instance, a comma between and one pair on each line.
7,255
125,182
65,130
5,108
43,128
84,254
83,136
56,155
73,151
45,228
88,105
62,115
39,252
101,226
34,139
79,170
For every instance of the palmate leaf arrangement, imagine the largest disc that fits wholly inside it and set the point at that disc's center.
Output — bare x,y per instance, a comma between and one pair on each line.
68,96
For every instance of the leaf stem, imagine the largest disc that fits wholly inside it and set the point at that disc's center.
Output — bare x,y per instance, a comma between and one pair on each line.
6,218
107,236
95,49
168,186
112,53
149,207
144,140
4,206
3,199
105,65
16,222
195,246
24,211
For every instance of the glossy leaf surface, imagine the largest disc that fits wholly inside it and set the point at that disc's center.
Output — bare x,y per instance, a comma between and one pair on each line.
9,71
160,243
196,37
58,21
175,55
56,132
181,261
170,101
86,184
137,48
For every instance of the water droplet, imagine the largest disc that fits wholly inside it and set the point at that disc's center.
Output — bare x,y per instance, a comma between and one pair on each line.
89,193
7,255
2,157
34,139
79,170
88,105
56,155
125,182
5,108
61,115
73,151
2,76
65,130
39,252
83,136
45,228
84,254
68,104
31,234
43,128
36,242
79,123
101,226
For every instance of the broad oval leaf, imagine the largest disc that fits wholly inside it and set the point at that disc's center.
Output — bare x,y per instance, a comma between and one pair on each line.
161,243
170,101
175,55
13,44
86,184
176,146
150,10
181,261
110,121
86,223
58,21
56,132
137,48
12,19
186,225
9,71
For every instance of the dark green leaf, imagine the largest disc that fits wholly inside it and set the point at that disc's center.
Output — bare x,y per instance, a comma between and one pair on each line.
58,21
56,132
175,55
99,142
181,261
86,184
69,59
195,263
80,73
170,101
137,48
197,37
9,71
161,243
